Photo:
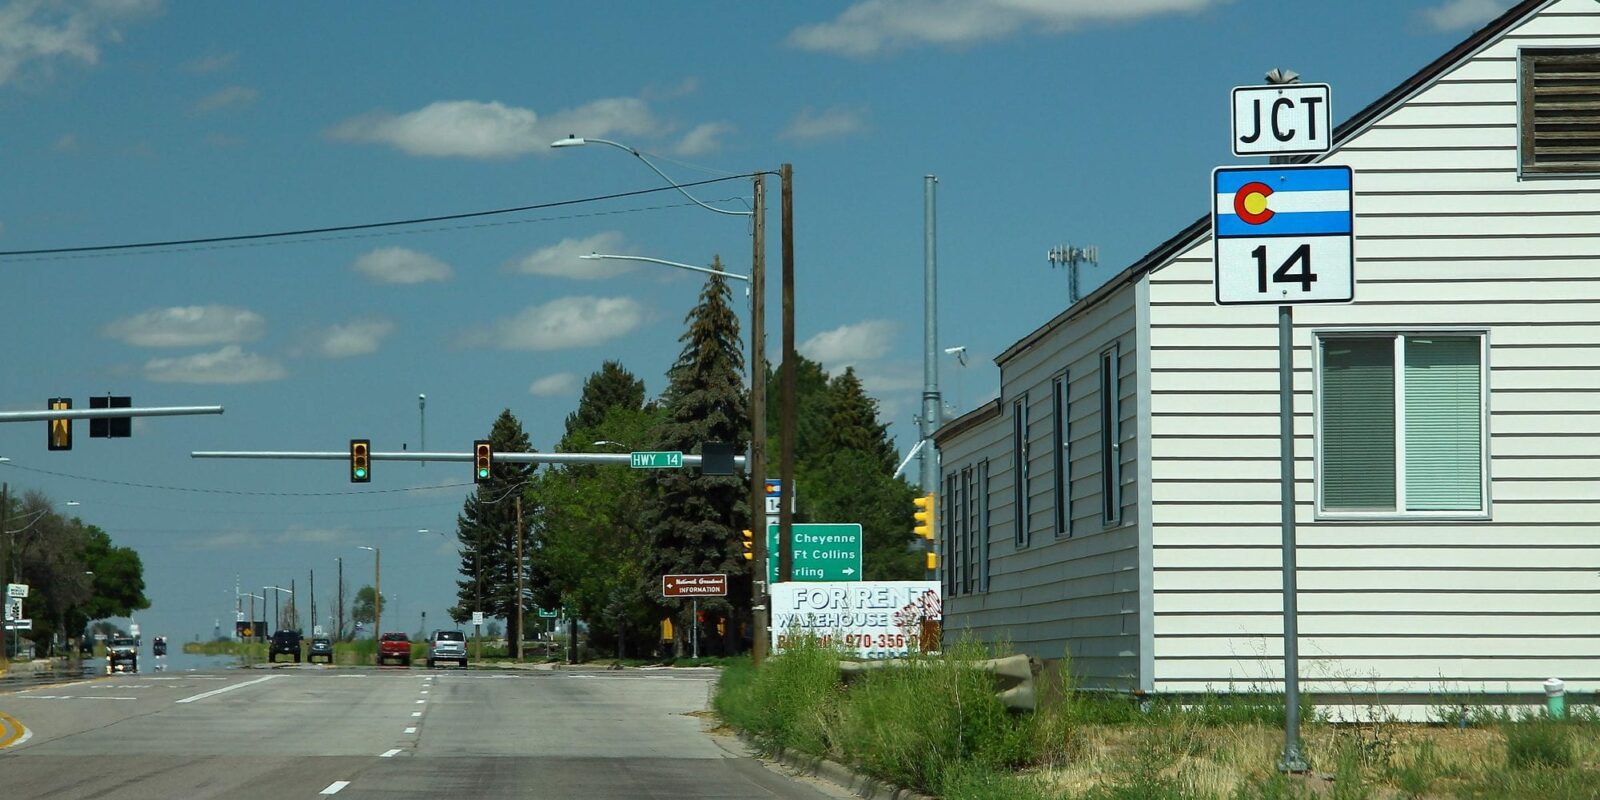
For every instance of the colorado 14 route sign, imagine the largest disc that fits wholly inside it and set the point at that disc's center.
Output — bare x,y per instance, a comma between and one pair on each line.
1281,235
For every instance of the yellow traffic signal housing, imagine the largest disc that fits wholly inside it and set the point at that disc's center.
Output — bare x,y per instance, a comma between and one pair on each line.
924,516
933,561
59,430
360,461
749,545
482,460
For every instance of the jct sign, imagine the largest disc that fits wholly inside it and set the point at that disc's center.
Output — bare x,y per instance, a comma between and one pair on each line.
876,619
694,585
1281,120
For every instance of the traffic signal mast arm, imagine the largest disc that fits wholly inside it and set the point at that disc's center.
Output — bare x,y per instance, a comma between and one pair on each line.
413,455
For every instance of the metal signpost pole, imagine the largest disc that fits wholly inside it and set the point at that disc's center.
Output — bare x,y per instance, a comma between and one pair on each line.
929,420
1293,760
694,624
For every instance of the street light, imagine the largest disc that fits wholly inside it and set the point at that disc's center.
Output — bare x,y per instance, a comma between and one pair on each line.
758,375
679,265
277,622
377,590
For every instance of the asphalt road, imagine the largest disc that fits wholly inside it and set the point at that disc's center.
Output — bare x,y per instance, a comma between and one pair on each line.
313,732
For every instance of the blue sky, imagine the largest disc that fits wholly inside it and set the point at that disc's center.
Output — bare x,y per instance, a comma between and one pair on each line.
1048,122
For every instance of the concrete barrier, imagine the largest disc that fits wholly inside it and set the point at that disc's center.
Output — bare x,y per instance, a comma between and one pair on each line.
1013,677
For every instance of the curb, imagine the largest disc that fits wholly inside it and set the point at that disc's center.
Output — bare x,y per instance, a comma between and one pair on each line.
834,772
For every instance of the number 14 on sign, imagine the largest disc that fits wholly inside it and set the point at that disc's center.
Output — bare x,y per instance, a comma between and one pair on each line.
1284,269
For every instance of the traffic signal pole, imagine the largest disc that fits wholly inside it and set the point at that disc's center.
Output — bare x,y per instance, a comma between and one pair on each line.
624,459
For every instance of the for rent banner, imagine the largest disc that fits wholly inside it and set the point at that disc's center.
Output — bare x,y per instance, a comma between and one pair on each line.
873,619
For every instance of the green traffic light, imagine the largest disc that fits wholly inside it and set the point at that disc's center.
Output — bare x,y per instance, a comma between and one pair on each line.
483,473
361,472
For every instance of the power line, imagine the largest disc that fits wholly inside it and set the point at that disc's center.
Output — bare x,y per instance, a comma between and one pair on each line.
15,465
358,227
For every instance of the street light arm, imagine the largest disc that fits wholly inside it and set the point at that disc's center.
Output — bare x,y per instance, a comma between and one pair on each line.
647,259
574,141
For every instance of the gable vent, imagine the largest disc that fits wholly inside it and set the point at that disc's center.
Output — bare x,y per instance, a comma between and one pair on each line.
1560,110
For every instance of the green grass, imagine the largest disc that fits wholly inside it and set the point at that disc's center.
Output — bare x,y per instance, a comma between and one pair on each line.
933,724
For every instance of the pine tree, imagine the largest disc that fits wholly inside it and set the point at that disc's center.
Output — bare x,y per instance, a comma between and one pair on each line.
488,532
608,387
694,519
853,422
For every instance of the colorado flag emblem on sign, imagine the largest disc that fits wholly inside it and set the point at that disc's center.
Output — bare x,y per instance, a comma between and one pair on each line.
1283,234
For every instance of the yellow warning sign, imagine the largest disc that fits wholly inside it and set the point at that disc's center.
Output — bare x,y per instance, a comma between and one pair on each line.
60,433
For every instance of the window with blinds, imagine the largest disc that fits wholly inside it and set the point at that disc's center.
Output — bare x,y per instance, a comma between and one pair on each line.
1401,424
1560,110
1019,471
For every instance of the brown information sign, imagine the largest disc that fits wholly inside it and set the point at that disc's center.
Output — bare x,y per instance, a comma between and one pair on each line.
694,585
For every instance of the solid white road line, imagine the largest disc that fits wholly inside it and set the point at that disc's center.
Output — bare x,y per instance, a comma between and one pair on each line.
411,730
333,788
214,692
389,753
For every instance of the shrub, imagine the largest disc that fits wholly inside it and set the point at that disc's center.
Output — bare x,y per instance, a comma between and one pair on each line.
1536,743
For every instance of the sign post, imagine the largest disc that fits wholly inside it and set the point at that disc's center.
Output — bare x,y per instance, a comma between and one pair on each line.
695,587
1296,221
822,551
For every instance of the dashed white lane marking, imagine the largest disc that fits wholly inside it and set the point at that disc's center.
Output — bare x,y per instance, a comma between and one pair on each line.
333,788
214,692
389,753
416,713
424,691
420,702
351,675
411,730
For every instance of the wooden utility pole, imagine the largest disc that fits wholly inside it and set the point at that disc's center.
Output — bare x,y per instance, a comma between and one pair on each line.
759,600
786,388
339,612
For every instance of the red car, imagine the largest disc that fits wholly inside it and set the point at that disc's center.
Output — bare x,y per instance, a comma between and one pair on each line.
394,647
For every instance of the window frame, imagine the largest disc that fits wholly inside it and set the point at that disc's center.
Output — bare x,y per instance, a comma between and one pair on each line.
1526,166
1111,436
1061,451
1022,535
983,525
947,565
1485,480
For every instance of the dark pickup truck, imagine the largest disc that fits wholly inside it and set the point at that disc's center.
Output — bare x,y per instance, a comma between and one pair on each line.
394,647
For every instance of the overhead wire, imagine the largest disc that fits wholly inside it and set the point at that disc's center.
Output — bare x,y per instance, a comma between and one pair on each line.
301,232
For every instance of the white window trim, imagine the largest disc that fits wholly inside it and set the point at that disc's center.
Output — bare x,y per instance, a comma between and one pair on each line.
1318,335
1111,401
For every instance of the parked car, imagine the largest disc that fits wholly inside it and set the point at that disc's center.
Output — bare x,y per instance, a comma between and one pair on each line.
321,647
447,646
284,642
394,647
122,655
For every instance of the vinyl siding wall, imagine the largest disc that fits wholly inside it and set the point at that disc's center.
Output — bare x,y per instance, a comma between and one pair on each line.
1059,594
1446,235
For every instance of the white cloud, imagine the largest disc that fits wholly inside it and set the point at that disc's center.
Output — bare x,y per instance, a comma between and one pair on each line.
1458,14
228,365
564,323
473,129
358,338
187,326
232,96
850,344
828,123
299,535
212,62
227,541
554,385
702,139
37,35
399,265
564,258
66,143
875,26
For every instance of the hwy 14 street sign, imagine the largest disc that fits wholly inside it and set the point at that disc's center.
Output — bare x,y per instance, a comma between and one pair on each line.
774,498
822,551
1282,235
1283,119
663,459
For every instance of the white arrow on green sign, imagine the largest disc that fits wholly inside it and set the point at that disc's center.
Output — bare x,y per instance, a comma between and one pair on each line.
663,459
823,551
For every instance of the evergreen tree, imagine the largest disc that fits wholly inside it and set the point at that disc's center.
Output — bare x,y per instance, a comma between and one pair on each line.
487,530
609,387
692,519
853,422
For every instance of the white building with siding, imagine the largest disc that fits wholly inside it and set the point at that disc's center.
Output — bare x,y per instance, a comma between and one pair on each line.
1119,501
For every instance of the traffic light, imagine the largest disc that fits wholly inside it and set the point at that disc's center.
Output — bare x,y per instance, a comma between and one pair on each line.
59,431
749,545
933,561
924,517
360,461
482,460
